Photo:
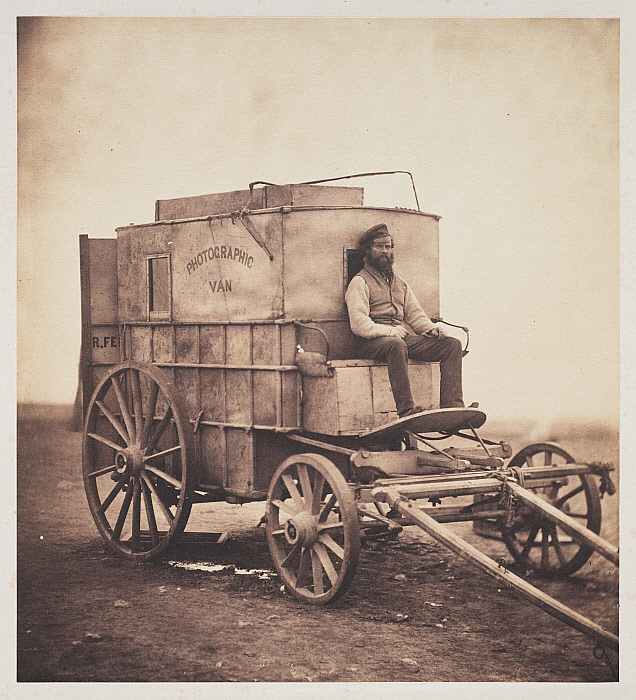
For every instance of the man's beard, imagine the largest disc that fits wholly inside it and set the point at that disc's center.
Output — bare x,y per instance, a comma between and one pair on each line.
382,262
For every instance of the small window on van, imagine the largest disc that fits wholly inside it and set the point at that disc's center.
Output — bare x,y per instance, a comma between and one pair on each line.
159,287
353,263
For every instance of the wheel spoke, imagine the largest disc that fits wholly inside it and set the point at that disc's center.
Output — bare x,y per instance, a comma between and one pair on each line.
283,505
164,509
566,497
303,566
529,461
149,414
293,492
150,513
112,495
114,422
316,570
581,516
102,471
136,515
169,451
557,546
135,387
296,549
329,504
319,482
104,441
123,407
532,536
547,459
331,526
162,475
328,540
305,485
327,564
159,430
545,548
123,513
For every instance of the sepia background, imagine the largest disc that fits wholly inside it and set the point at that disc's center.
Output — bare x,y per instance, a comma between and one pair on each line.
509,126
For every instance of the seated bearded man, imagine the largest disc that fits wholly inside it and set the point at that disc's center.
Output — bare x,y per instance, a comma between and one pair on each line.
392,327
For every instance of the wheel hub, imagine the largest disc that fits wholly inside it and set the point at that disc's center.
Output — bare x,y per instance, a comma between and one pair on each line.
302,529
130,460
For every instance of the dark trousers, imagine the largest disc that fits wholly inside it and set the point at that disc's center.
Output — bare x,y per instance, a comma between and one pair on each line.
396,353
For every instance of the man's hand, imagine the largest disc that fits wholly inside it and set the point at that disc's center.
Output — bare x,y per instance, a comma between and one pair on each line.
438,332
399,331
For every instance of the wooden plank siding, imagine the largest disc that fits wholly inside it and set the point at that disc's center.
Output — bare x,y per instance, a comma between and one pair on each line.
233,378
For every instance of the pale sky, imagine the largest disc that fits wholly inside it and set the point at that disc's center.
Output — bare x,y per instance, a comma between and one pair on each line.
509,126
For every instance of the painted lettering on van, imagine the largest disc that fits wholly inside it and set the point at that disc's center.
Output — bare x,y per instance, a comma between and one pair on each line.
222,252
220,285
106,341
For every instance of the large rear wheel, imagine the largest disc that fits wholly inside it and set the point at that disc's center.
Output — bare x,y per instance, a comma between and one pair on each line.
138,460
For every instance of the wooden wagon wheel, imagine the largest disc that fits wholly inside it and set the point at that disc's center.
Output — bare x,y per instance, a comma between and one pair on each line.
540,545
138,460
312,528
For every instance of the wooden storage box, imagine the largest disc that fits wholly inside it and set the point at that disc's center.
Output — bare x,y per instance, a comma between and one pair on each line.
358,396
262,198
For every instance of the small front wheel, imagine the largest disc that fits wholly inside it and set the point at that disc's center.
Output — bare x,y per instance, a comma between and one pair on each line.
537,543
312,528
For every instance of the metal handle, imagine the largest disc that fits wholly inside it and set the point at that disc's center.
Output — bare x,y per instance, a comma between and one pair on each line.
463,328
343,177
319,330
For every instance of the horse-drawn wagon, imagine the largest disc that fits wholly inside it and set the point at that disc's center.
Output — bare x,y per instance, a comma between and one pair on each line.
218,365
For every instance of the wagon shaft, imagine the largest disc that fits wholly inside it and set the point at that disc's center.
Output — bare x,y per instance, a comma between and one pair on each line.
570,526
415,515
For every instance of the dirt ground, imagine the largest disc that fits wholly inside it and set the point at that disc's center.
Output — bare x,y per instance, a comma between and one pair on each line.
415,611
